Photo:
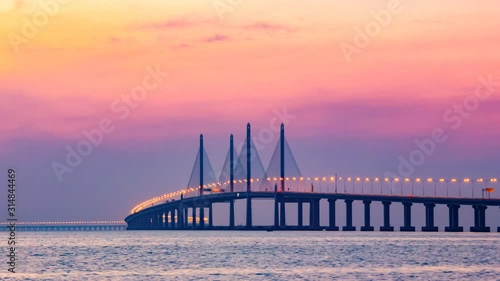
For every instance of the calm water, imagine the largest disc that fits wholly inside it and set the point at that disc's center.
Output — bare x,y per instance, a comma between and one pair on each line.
242,255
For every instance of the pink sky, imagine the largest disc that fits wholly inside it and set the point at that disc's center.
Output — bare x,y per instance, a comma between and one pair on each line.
261,56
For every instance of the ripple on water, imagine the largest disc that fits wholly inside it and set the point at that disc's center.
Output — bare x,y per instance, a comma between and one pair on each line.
257,256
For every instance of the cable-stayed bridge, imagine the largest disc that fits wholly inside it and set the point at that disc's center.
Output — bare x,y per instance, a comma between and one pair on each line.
243,177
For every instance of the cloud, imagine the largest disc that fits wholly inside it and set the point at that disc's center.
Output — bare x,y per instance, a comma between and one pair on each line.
216,38
268,27
179,23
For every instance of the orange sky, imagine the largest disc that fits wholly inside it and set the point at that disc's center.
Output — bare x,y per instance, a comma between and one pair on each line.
89,53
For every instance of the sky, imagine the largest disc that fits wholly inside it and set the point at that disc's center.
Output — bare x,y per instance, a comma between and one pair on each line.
358,86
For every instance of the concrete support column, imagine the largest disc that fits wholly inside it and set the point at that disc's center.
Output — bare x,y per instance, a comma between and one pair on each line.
194,217
429,218
210,216
348,218
249,211
480,219
180,211
202,216
387,217
165,226
282,213
300,214
171,213
231,214
316,214
453,219
186,216
276,210
407,217
367,226
172,219
331,215
311,214
170,224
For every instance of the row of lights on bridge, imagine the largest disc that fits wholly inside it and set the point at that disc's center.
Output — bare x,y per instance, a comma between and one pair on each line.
65,222
349,179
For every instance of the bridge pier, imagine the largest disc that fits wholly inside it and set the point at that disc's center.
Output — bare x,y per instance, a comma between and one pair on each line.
180,217
429,218
314,214
387,217
348,216
407,217
168,213
300,215
367,226
282,213
202,217
479,219
249,211
453,215
180,212
173,222
311,214
331,216
193,215
186,218
210,216
231,213
276,209
165,226
172,219
160,220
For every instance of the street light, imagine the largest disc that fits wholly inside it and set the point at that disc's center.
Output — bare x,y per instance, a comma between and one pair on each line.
430,180
417,180
478,180
454,181
362,185
466,180
395,180
444,180
406,180
387,180
376,180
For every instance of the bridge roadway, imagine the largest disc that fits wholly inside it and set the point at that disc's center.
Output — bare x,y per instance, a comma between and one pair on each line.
65,226
176,211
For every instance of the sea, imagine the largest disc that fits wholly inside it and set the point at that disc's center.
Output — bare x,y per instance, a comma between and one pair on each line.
254,255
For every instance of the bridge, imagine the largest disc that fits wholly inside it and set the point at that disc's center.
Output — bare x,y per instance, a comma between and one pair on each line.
65,226
283,183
